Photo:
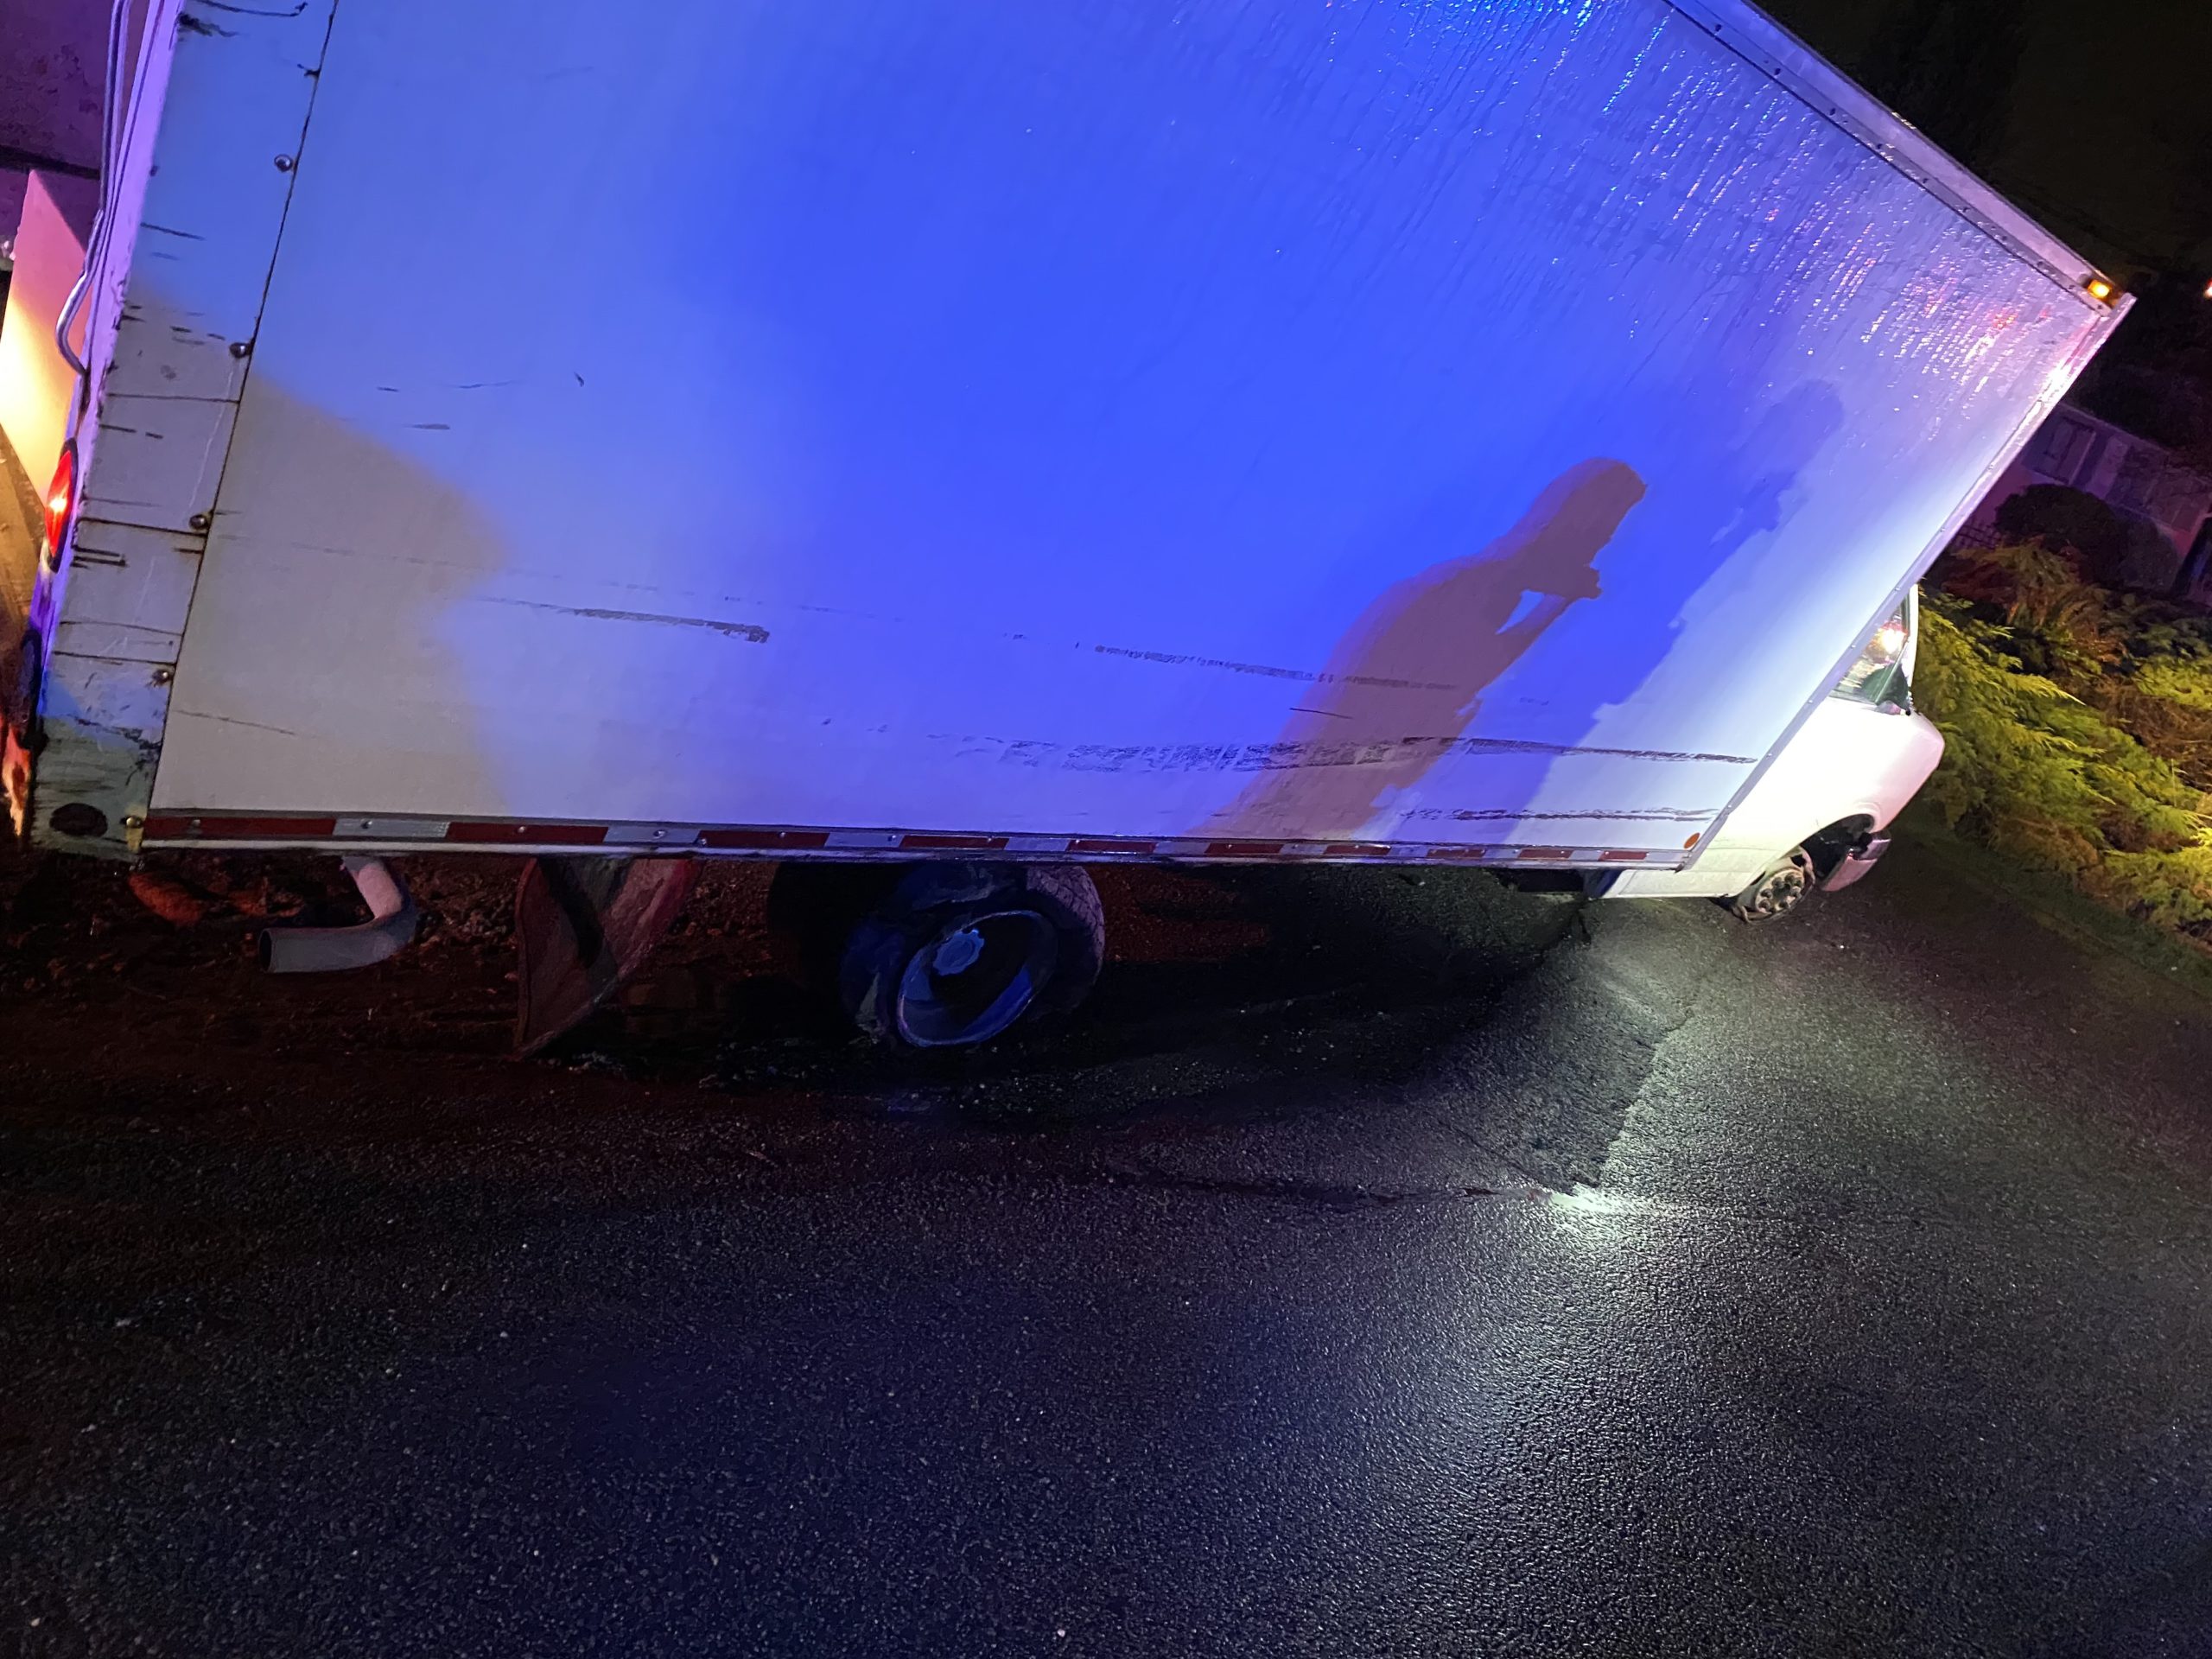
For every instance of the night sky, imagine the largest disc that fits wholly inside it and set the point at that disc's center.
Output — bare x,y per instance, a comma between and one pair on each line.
2095,118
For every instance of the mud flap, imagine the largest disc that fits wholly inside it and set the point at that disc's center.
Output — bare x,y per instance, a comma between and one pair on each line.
21,670
585,925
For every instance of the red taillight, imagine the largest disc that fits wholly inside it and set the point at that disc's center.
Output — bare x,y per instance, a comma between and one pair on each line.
60,502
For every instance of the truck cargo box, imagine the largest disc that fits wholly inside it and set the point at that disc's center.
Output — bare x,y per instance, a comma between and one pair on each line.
1365,430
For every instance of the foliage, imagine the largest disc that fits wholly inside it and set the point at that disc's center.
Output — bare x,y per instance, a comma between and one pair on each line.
2052,621
2110,549
2177,678
2071,520
2175,732
2165,634
2079,726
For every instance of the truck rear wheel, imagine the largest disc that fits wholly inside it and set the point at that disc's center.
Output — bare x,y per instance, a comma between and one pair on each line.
1784,884
957,954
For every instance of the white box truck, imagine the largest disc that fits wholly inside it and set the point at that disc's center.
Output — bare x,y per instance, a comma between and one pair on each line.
981,439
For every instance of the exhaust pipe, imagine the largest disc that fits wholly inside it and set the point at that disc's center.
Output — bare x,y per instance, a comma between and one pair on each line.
390,929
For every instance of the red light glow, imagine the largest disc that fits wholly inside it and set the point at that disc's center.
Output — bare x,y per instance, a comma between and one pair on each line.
60,502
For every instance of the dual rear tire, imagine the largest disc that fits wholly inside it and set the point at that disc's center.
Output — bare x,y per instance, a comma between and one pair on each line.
947,954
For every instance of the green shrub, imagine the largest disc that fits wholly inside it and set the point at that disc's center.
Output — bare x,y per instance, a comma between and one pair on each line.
2061,517
2177,680
2053,623
2173,890
2167,713
2044,775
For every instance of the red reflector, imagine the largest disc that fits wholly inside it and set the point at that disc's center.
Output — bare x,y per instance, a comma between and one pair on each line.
1109,844
1356,849
61,501
271,828
1560,853
559,835
1619,856
1475,854
939,843
182,827
765,839
1245,849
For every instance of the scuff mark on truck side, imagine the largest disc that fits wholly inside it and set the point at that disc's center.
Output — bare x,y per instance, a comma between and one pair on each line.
752,633
233,720
1633,815
1281,756
257,11
1312,676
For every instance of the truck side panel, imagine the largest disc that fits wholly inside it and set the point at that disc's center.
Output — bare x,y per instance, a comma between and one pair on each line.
1475,426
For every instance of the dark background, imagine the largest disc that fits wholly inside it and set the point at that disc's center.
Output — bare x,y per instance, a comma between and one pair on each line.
2098,121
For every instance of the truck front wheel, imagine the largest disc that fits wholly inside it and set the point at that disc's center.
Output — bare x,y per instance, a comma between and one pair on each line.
1784,884
957,954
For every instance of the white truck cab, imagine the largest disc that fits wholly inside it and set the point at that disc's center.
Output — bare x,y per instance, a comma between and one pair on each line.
1817,817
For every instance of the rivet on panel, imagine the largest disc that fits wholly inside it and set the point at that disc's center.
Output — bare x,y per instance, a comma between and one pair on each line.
199,521
283,163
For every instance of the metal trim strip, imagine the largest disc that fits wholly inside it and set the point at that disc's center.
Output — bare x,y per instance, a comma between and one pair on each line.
243,831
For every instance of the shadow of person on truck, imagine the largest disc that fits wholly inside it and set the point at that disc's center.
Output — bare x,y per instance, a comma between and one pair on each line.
1408,678
1723,544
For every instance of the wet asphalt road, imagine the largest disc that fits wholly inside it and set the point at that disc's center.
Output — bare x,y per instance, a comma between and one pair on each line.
1837,1288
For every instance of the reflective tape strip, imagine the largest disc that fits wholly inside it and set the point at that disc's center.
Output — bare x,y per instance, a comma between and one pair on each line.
262,829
